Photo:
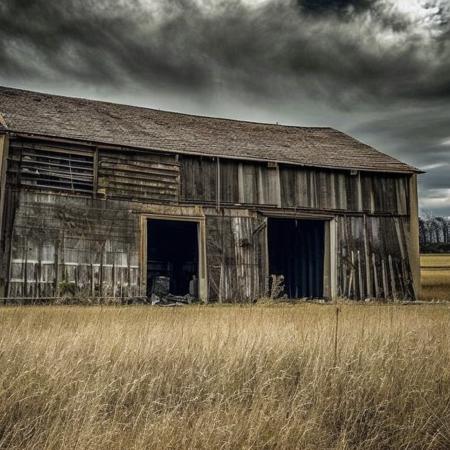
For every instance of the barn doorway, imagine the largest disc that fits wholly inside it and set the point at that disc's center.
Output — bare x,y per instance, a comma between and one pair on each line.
172,252
296,251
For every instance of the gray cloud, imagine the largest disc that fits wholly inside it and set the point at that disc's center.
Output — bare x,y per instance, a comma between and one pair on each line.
363,66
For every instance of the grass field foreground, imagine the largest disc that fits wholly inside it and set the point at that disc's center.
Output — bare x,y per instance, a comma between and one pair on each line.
225,377
435,276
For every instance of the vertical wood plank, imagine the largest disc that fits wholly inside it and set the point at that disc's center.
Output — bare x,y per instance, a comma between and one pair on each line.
241,183
367,260
375,276
385,280
392,274
360,277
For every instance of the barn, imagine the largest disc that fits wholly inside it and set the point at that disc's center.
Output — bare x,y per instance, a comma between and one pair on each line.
100,200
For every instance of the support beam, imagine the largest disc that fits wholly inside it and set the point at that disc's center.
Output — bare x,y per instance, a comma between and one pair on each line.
4,146
414,249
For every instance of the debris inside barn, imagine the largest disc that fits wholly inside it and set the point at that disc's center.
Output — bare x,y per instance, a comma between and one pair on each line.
161,294
101,200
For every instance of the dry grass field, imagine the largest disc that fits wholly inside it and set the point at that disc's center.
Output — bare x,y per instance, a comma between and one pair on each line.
225,377
436,276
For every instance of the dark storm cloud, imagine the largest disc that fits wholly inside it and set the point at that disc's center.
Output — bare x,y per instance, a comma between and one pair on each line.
181,45
335,6
362,59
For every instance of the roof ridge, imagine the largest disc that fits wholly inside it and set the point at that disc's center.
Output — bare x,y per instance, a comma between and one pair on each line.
108,102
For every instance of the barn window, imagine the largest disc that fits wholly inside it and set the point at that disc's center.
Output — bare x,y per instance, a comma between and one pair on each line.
62,170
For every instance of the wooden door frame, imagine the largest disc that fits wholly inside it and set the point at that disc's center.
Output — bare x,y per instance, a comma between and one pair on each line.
185,214
330,250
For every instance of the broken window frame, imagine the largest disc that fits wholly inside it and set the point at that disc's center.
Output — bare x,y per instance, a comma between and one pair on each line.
55,168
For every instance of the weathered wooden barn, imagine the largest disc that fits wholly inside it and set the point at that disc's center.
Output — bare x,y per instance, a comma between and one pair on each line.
97,199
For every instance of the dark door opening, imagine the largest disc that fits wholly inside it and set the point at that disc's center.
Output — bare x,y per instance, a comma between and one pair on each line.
172,251
296,251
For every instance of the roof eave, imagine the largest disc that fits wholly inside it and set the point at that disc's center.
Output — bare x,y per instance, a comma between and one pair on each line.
408,169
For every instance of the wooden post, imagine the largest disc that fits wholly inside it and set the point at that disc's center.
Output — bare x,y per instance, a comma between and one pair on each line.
113,277
4,145
25,272
92,281
218,185
56,269
367,261
414,251
333,259
95,180
101,271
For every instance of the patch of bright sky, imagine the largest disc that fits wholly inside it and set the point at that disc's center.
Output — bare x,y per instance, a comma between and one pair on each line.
426,15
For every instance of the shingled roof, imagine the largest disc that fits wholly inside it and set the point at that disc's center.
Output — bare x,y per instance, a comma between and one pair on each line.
130,126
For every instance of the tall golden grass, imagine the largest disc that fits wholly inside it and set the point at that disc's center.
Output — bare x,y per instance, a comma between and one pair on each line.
435,276
225,377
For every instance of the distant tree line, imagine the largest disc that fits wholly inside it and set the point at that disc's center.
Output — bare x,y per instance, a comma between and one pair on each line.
434,234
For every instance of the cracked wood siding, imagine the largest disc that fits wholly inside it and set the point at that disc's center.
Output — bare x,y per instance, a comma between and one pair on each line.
373,257
236,256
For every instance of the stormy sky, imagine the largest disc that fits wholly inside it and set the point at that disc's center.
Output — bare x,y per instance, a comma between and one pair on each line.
377,69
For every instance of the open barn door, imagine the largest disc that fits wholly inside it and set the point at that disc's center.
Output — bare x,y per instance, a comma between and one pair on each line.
296,252
172,253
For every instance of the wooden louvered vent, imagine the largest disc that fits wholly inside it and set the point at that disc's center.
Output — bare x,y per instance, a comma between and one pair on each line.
138,177
56,169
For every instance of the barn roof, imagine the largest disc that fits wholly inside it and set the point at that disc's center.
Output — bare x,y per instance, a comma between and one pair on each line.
131,126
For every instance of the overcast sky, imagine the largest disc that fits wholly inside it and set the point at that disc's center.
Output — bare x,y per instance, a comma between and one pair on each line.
377,69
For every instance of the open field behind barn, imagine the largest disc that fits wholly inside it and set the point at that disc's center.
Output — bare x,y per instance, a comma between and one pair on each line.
435,276
225,377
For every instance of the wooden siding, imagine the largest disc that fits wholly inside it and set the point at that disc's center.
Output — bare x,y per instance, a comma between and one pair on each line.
236,257
138,176
64,237
284,186
66,245
373,259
